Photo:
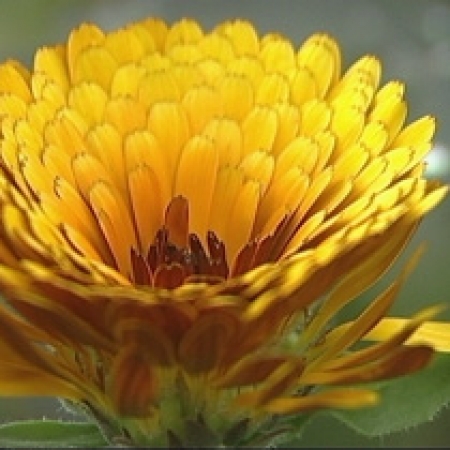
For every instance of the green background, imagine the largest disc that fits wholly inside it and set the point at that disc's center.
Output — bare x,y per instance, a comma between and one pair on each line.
413,40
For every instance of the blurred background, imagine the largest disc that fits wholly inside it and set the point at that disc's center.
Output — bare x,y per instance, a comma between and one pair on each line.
413,41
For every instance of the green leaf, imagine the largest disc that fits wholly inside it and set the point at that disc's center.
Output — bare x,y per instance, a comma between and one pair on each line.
50,433
405,402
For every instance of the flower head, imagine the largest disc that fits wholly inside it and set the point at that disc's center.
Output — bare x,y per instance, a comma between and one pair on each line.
183,214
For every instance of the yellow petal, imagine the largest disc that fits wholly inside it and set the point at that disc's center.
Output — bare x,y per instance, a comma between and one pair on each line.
91,97
158,87
202,104
126,115
320,55
146,202
226,135
52,62
336,398
35,384
124,46
141,149
13,106
94,64
13,82
432,333
170,139
151,32
389,108
242,35
198,186
81,38
126,80
183,32
237,96
400,362
273,89
115,222
277,54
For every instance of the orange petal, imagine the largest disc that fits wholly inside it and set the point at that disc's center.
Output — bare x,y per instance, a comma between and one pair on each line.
204,344
134,383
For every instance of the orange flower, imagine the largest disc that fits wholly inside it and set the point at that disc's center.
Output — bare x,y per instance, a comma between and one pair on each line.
183,213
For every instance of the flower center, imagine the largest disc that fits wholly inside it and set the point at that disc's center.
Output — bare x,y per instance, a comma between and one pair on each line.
177,256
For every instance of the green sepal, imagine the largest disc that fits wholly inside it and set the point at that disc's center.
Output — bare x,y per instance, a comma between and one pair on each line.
404,402
50,434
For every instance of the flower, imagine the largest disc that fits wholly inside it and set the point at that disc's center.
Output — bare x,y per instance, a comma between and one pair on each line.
183,216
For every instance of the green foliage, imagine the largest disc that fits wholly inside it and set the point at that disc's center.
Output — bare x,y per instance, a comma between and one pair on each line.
50,434
405,402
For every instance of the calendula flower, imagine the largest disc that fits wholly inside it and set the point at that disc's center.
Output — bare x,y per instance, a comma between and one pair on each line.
184,214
